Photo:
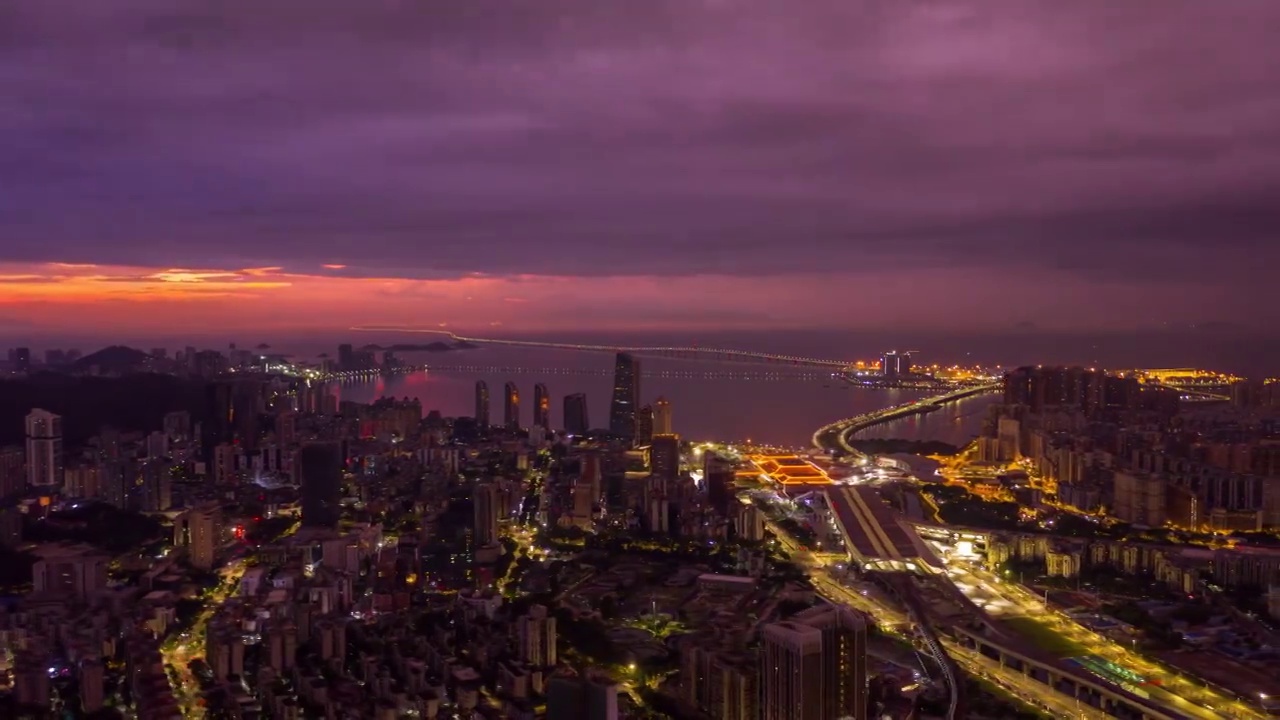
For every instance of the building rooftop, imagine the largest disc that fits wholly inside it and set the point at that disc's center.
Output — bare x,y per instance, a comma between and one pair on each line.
790,470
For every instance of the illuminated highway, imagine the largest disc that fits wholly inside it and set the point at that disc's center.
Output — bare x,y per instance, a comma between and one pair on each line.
835,436
1175,691
893,620
1174,697
178,652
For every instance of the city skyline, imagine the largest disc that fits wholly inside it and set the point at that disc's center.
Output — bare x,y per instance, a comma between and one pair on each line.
660,167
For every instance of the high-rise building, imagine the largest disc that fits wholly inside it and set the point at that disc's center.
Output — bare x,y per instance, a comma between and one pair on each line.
22,359
246,411
92,680
1074,388
157,487
482,404
82,481
321,484
571,698
13,476
44,449
485,533
1140,498
203,535
575,414
116,478
664,456
895,364
71,571
287,428
217,423
177,425
10,526
644,426
590,477
626,397
541,406
536,631
511,406
157,445
718,478
662,417
346,357
814,667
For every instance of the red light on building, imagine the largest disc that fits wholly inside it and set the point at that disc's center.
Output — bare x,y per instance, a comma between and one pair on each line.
239,532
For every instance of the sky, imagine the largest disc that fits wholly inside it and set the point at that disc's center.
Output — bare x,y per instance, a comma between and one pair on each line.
571,165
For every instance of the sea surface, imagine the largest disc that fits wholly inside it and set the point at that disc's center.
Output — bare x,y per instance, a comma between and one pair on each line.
774,404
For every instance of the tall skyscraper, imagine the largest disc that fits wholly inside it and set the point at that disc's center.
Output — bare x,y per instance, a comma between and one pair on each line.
321,484
204,535
217,425
575,414
511,406
664,456
486,515
246,410
346,357
662,417
482,404
541,406
22,359
895,364
626,397
44,449
644,425
814,666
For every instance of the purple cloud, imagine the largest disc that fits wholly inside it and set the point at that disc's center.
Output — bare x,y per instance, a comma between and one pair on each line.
662,137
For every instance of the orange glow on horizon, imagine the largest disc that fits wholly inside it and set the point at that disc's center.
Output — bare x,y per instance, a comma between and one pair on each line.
57,297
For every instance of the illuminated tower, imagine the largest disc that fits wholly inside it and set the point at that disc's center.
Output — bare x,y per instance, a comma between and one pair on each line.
626,397
482,404
664,456
644,426
895,364
541,406
662,417
511,406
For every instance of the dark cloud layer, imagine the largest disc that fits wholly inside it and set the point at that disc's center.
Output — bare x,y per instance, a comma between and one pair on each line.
745,137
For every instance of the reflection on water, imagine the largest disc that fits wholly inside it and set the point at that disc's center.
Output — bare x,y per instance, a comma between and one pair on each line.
772,404
955,423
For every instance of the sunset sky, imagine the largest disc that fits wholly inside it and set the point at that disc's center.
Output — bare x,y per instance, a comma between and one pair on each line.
667,164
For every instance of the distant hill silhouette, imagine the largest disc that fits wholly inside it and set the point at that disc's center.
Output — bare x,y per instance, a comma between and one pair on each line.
136,402
115,359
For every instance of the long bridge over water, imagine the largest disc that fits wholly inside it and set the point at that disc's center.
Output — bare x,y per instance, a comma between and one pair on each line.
686,352
835,436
